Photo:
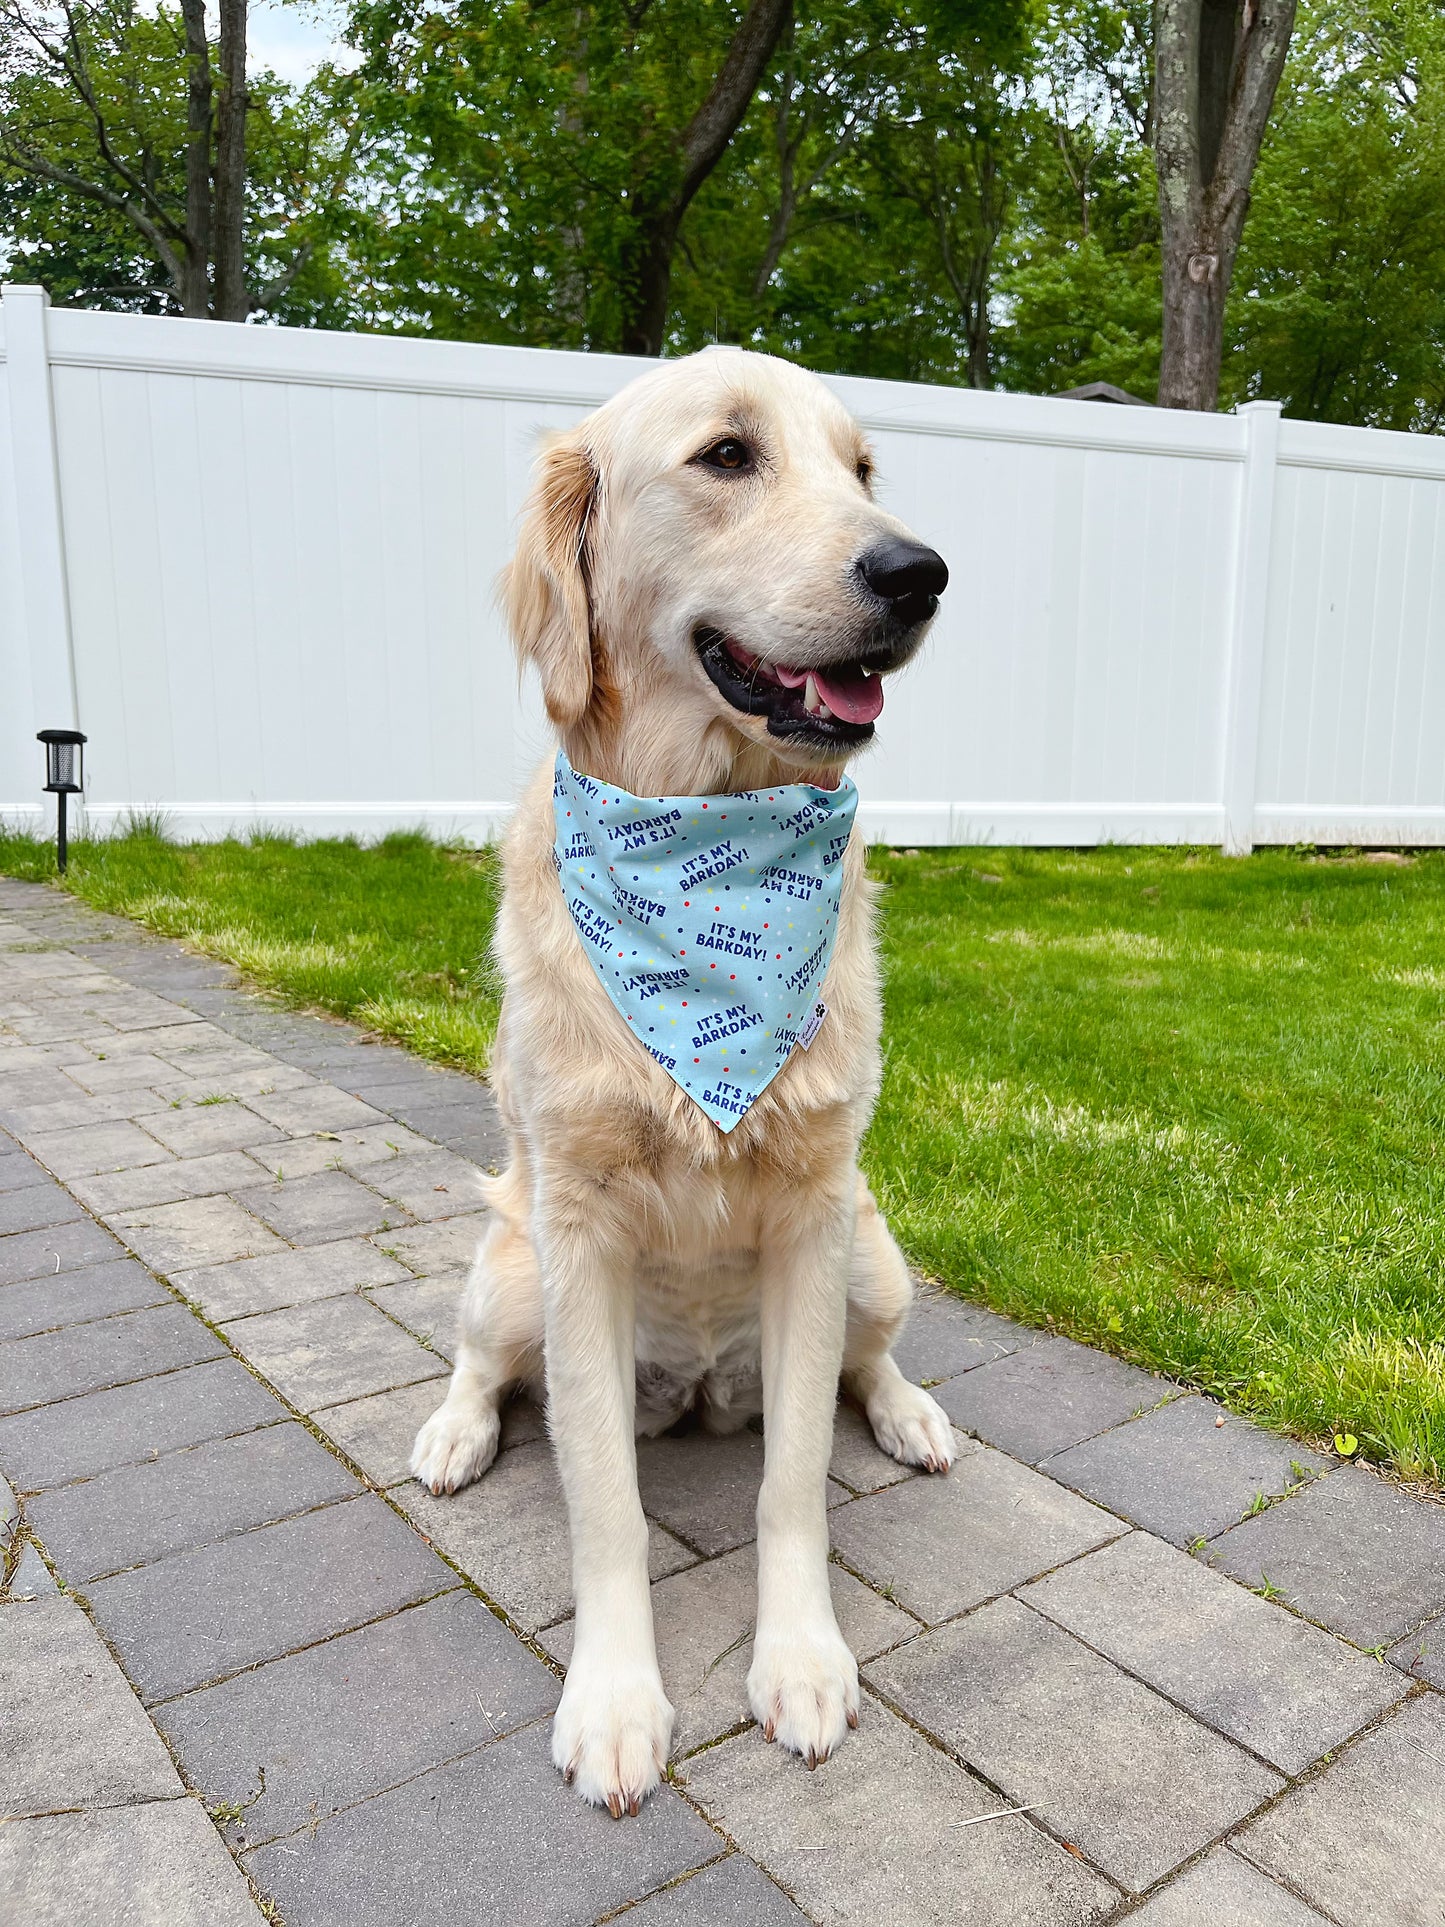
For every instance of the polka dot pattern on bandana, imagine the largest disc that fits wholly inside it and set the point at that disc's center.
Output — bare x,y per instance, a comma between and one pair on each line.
709,920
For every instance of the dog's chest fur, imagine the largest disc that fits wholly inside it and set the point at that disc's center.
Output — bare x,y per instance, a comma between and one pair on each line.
698,1340
603,1132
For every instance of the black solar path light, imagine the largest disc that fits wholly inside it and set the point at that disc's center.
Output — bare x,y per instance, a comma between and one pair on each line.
64,775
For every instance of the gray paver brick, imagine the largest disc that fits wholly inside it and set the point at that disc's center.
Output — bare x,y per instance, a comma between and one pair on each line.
565,1865
426,1306
704,1487
354,1151
110,1351
1365,1840
341,1059
159,1863
332,1351
88,1148
704,1619
200,1615
1110,1765
1180,1473
36,1085
316,1107
857,1458
944,1544
1351,1552
509,1533
119,1073
42,1304
484,1144
322,1208
730,1893
36,1208
18,1172
430,1249
74,1114
198,1080
431,1184
73,1733
158,1041
379,1432
56,1443
1048,1396
197,1231
30,1579
197,1130
426,1085
356,1714
1251,1669
214,1070
285,1278
167,1183
1225,1889
946,1335
138,1513
45,1254
878,1835
53,1029
1422,1654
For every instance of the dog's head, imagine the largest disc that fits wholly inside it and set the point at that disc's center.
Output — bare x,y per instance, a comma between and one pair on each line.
706,583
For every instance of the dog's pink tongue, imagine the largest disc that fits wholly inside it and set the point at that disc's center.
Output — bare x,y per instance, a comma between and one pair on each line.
850,694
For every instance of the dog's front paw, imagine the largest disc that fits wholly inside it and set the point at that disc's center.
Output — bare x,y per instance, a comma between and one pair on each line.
912,1427
803,1688
611,1734
454,1447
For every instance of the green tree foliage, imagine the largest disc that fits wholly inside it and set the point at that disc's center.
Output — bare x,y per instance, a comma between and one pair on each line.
941,190
93,180
1339,308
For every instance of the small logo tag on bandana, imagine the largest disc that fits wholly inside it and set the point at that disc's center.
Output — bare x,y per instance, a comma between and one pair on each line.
814,1024
709,920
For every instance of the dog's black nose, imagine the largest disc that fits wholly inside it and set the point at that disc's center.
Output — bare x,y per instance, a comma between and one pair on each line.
906,574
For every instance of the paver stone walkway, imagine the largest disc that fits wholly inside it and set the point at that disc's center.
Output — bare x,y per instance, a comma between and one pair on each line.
1132,1659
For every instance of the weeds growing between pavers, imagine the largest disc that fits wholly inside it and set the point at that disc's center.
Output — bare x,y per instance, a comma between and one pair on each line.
1187,1108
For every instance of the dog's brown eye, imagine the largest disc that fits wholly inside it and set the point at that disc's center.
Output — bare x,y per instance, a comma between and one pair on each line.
865,473
729,453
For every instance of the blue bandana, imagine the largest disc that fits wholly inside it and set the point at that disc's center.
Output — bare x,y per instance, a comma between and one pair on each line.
709,919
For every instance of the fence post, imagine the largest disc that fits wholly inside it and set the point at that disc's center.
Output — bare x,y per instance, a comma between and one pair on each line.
44,596
1247,622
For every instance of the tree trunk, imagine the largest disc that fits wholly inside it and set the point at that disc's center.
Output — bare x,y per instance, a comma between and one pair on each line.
1217,65
1196,284
195,293
647,281
232,302
660,203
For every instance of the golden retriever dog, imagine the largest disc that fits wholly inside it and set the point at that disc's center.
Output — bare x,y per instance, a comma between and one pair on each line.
707,588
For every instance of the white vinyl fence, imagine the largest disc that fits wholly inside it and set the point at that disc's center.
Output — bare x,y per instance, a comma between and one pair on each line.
255,565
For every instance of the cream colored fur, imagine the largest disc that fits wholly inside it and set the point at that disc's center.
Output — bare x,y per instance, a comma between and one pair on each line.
634,1244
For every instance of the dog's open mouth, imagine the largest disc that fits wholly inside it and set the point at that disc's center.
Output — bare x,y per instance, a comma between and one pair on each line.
838,702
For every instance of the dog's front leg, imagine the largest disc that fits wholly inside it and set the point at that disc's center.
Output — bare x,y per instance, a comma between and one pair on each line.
614,1723
803,1685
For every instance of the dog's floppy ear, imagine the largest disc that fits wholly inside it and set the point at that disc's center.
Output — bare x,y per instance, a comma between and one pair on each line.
544,586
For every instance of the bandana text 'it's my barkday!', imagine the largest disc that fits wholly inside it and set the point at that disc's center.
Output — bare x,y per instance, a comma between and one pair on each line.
709,920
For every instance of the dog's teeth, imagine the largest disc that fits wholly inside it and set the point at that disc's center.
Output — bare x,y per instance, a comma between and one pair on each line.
812,701
866,670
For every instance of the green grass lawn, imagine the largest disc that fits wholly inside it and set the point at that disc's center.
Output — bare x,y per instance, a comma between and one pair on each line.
1186,1108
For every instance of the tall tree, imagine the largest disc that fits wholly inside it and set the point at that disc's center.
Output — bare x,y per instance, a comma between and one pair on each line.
678,166
127,135
1338,307
543,154
1217,65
